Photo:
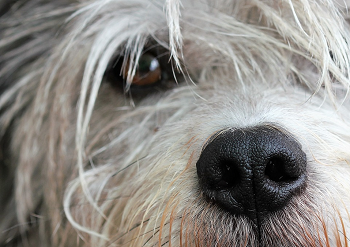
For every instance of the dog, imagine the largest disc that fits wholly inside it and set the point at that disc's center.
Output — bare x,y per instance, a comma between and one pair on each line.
175,123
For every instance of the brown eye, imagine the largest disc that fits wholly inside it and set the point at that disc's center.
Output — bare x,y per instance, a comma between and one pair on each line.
148,71
153,73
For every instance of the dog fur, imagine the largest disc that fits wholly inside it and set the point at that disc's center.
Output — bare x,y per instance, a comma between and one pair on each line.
86,161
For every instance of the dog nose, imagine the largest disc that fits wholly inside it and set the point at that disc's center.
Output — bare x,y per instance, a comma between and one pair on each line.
253,171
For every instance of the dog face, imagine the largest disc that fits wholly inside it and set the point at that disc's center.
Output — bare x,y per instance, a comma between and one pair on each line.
168,123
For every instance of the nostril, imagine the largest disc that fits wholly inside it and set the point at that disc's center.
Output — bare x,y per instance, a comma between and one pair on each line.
230,174
276,170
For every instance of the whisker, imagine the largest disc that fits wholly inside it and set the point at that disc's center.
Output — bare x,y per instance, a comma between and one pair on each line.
128,166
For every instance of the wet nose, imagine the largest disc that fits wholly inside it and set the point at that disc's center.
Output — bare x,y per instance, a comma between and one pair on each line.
252,171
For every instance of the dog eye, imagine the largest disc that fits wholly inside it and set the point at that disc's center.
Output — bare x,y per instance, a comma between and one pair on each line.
148,71
153,73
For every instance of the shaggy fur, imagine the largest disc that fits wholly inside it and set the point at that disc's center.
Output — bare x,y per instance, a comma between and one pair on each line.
85,162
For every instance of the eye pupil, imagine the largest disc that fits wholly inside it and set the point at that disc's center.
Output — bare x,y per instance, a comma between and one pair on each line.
148,63
148,71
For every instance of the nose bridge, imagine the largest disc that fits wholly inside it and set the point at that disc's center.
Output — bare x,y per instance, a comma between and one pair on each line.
252,171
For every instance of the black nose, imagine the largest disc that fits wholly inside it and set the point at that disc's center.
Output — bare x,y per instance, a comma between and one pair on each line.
252,171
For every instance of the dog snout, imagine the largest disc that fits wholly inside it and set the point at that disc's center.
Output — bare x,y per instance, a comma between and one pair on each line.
252,171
